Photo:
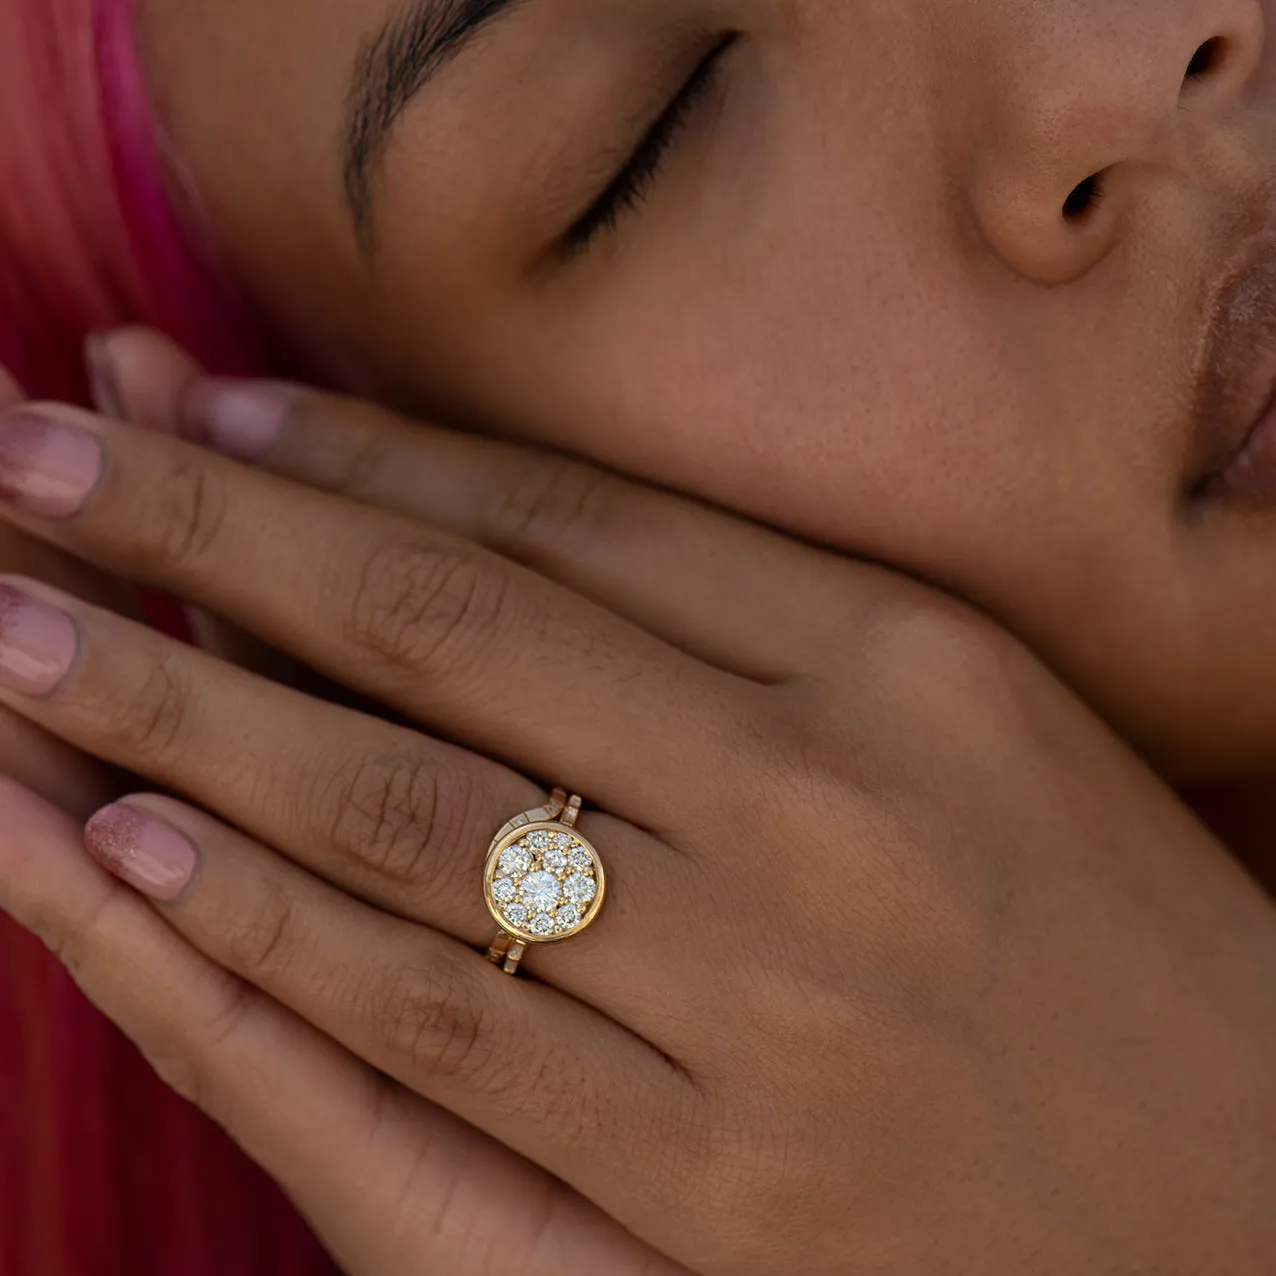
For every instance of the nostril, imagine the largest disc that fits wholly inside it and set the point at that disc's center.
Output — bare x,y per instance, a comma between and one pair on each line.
1083,198
1205,60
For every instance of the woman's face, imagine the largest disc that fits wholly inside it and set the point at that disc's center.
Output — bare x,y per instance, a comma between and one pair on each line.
985,289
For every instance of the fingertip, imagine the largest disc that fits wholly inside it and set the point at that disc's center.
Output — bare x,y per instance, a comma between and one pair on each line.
239,419
139,375
142,850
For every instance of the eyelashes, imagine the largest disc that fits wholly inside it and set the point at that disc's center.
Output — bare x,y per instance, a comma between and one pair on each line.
631,186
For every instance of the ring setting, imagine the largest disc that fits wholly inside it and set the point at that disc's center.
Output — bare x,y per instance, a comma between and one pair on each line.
543,881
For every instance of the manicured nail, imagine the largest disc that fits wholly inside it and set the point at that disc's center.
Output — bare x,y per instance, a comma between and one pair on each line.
239,419
151,856
103,385
37,643
46,467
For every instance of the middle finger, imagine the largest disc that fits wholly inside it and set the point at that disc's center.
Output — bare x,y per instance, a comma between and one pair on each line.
453,635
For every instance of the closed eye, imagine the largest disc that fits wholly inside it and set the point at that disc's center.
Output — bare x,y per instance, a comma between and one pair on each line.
631,186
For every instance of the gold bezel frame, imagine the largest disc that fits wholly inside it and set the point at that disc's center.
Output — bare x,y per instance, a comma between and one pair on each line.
512,838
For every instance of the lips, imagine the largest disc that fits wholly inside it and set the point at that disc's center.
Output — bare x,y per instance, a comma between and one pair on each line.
1235,456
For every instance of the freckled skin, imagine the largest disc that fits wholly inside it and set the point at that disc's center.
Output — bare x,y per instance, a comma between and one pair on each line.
851,304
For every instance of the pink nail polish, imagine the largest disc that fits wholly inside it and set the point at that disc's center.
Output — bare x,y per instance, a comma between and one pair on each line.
46,467
151,856
239,419
37,643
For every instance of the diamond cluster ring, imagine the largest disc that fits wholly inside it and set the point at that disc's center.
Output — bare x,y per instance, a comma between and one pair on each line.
543,882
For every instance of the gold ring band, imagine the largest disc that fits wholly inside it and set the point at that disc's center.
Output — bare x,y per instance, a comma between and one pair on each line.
543,881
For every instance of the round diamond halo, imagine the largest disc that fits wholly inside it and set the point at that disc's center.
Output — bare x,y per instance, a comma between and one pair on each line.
543,883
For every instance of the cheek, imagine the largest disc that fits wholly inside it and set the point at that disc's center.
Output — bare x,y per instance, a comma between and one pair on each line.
925,439
887,431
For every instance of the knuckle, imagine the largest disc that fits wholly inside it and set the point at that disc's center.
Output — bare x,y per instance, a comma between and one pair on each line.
563,1094
79,947
351,460
363,466
420,608
152,722
189,517
548,507
435,1023
260,937
404,817
856,800
941,646
188,1064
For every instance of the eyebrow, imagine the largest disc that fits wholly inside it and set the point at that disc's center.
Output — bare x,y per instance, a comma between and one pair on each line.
389,71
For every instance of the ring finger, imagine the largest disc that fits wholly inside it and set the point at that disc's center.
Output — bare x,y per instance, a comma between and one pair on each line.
381,811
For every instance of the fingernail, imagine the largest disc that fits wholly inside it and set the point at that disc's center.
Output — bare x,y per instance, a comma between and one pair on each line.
151,856
10,390
37,643
239,419
103,385
46,467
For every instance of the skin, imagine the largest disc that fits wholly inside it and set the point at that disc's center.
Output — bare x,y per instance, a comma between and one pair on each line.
929,1035
851,304
1019,436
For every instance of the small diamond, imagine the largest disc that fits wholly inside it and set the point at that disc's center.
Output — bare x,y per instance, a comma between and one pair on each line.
555,860
539,839
540,891
568,916
503,890
515,861
580,889
515,913
580,858
564,840
542,924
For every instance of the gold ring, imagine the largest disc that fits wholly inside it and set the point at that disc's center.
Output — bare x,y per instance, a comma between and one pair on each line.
543,882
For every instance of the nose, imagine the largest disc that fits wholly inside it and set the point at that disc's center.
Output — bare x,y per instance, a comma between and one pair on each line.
1094,100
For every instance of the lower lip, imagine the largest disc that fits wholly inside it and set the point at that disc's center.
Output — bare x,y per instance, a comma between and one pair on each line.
1251,478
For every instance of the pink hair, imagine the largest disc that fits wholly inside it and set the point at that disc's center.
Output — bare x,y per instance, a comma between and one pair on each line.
103,1169
90,236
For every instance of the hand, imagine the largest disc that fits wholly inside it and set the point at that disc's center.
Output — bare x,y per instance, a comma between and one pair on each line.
907,965
63,775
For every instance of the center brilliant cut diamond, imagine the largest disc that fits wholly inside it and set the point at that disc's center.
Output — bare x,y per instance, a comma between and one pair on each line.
541,891
545,884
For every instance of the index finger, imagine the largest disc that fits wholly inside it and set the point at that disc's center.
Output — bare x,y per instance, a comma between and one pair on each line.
729,591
